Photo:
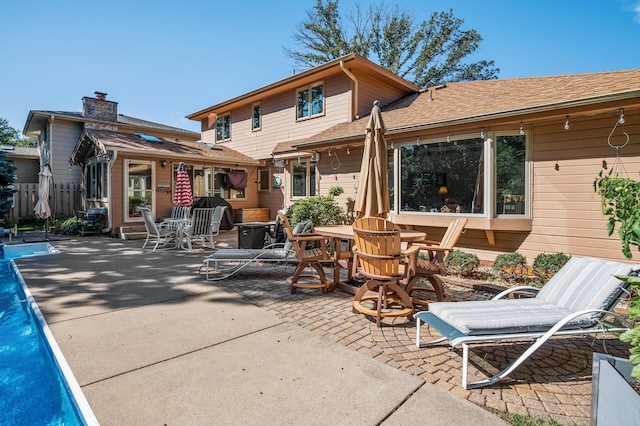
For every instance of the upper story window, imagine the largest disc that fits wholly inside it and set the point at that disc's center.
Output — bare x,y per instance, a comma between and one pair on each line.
256,117
223,128
310,101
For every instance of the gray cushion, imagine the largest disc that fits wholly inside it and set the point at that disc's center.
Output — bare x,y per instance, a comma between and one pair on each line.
248,254
298,229
582,283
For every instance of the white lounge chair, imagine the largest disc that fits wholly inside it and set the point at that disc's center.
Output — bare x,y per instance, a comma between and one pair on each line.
575,301
226,262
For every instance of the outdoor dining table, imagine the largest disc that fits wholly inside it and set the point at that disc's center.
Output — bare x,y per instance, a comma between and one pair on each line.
179,225
344,258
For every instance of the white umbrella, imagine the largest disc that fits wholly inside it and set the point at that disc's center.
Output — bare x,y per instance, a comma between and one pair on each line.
42,209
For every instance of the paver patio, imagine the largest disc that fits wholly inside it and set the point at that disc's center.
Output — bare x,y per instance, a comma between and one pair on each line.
555,382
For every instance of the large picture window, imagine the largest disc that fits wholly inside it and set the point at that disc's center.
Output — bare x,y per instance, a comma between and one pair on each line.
310,102
443,177
139,186
303,176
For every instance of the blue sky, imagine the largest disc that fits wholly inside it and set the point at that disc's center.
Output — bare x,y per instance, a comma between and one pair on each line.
162,60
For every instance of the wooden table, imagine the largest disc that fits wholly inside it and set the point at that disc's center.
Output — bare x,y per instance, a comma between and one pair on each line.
342,233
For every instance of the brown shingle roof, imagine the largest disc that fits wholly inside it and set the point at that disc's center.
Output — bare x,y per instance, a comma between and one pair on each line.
486,99
169,147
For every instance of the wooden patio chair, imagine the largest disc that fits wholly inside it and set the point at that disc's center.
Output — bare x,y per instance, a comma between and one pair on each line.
437,252
307,257
382,261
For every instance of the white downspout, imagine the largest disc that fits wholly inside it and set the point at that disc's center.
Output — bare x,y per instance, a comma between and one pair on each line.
354,96
110,191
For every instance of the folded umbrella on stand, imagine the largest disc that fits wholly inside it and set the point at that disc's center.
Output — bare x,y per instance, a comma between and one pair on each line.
42,208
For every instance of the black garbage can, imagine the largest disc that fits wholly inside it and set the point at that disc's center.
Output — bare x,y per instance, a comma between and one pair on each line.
252,235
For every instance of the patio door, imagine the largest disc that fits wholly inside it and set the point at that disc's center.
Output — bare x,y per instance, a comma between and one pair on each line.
139,184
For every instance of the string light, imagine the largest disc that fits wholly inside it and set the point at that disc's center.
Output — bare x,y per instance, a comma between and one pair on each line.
521,129
348,151
417,140
566,123
621,120
448,138
482,132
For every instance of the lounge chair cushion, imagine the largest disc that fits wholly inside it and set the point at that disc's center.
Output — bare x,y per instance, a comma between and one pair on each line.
248,254
583,283
499,316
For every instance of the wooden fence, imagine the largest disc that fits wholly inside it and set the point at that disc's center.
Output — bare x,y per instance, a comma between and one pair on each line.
64,200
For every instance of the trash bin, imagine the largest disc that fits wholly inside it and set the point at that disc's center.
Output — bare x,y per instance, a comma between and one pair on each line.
252,235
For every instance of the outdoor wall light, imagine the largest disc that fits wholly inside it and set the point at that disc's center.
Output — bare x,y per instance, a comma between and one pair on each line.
566,123
163,163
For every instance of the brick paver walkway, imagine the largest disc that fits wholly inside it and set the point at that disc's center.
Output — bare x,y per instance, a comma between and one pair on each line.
555,382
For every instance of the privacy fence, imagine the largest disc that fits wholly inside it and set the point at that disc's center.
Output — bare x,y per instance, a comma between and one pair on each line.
64,199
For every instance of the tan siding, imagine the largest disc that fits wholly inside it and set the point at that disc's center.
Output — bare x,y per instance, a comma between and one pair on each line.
371,89
279,120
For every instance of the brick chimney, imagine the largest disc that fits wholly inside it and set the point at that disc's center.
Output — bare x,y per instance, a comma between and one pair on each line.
99,108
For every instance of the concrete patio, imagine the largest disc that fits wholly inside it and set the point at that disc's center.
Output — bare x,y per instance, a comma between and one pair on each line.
151,342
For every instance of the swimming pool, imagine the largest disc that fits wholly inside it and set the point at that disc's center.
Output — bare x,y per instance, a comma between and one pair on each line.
36,383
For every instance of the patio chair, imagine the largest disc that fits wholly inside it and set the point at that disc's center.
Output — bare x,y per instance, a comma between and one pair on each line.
159,232
308,256
437,252
380,259
203,226
227,262
575,301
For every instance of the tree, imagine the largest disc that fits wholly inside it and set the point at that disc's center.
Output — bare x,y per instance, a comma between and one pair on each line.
427,53
7,178
11,136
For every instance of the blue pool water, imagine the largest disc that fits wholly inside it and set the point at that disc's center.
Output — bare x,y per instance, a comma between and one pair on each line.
35,387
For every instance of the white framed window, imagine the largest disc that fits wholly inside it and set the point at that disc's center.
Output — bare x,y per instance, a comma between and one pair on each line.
467,174
256,117
139,181
223,187
223,127
303,178
310,101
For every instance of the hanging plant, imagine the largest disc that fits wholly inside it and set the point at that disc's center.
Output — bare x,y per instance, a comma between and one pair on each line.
620,198
621,203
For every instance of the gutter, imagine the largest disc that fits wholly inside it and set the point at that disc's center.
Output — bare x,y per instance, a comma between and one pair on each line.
112,161
354,96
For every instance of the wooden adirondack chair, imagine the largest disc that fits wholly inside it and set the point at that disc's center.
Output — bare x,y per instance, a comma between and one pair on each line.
430,268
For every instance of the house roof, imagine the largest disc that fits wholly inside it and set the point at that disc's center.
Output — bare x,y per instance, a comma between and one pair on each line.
106,141
352,61
483,100
20,151
37,118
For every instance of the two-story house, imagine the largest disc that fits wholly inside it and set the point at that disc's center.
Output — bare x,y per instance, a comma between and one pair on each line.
290,111
518,157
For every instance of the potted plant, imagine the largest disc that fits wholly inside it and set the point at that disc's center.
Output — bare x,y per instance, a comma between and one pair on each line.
621,203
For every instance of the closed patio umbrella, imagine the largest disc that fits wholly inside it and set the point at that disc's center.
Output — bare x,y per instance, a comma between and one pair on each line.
42,208
373,192
183,196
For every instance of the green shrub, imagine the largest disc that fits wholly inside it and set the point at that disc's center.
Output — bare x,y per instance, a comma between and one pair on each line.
67,226
461,263
546,265
322,210
509,261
